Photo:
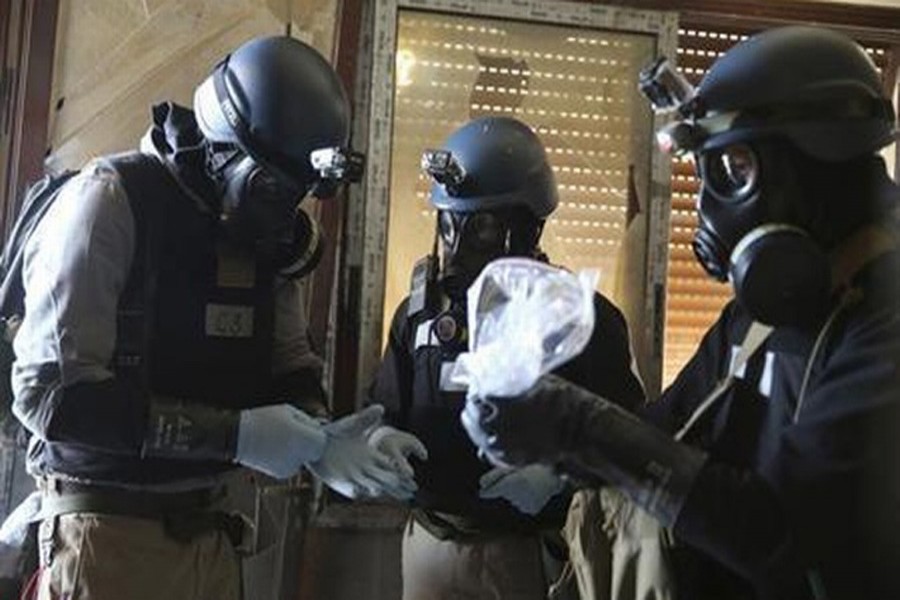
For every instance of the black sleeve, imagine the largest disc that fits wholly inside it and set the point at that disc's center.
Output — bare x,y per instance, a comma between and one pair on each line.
701,374
828,499
79,409
392,386
604,367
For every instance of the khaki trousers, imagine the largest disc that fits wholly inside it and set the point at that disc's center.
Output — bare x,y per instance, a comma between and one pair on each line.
111,557
502,567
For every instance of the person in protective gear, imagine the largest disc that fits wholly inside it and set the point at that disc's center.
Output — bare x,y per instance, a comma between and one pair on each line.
164,340
786,480
475,531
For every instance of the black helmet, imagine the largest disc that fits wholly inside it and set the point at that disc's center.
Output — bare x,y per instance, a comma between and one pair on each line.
279,101
812,86
492,163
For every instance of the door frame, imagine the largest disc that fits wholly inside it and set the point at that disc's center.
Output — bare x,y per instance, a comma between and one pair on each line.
368,221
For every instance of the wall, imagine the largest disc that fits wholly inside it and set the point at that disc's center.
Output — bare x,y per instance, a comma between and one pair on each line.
882,3
115,58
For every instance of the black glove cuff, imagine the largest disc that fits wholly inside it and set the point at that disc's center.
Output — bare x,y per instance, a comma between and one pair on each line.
190,432
617,447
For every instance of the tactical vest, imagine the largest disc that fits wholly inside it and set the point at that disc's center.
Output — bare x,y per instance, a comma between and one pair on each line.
447,499
195,322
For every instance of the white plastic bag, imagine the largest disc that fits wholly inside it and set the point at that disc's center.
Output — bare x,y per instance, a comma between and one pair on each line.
525,319
13,533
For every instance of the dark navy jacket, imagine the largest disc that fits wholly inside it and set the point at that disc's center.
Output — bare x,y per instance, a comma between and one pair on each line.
784,507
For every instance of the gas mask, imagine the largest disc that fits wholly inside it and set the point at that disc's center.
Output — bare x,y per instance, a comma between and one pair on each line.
469,241
260,212
752,207
752,232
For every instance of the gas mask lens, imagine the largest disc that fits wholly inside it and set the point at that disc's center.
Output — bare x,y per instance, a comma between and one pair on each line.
485,230
731,173
477,231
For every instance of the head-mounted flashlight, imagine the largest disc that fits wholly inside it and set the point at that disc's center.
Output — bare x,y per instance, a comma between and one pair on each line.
665,87
338,164
690,135
335,166
679,137
444,168
668,90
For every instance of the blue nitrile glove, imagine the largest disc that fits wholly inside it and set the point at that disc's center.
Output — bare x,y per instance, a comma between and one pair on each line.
278,439
398,446
353,468
527,488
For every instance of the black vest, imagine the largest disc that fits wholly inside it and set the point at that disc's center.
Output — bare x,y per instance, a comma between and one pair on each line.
195,322
449,479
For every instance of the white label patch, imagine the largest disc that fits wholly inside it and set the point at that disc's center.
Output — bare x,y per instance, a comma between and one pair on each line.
423,334
739,374
765,382
447,384
226,320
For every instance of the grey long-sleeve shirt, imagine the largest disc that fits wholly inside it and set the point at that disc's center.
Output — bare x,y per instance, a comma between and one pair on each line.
75,267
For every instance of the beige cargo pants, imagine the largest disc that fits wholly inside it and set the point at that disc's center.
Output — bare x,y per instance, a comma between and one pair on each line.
109,557
503,567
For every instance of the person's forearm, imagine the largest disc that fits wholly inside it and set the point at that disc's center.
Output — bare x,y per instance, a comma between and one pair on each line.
604,442
730,514
115,417
108,415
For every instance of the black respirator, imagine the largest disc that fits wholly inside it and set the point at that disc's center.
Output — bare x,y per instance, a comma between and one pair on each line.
470,240
750,207
261,211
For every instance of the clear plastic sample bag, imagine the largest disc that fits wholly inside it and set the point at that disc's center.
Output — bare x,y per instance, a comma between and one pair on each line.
525,318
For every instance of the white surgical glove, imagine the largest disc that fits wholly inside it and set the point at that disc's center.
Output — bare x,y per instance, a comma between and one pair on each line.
528,488
398,446
353,468
278,439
